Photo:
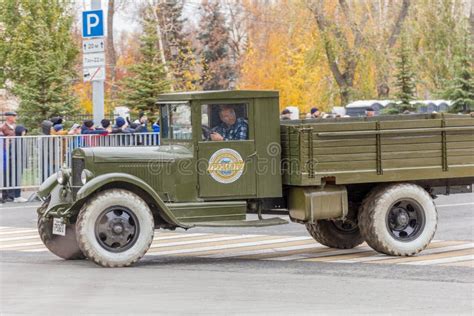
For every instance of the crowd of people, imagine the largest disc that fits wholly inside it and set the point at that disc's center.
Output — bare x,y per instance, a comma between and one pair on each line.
55,126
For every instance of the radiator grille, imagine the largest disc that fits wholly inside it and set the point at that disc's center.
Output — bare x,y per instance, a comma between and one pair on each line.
77,167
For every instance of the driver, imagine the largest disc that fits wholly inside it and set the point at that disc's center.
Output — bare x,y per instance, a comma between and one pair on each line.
231,128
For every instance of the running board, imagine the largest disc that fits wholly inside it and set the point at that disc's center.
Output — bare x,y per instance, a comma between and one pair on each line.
252,223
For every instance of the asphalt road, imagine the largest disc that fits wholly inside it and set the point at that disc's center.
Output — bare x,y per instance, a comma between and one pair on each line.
36,282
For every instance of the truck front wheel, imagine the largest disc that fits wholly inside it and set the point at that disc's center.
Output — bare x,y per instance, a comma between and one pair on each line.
336,234
398,219
115,228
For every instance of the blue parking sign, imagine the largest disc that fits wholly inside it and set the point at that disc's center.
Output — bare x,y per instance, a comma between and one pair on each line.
92,23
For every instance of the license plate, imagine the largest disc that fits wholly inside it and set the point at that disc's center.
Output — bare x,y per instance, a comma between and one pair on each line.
59,227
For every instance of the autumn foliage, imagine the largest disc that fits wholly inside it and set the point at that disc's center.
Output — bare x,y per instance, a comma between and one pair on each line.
321,53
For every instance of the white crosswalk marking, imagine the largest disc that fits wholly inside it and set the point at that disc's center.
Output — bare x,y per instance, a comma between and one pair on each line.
23,244
18,238
263,247
20,231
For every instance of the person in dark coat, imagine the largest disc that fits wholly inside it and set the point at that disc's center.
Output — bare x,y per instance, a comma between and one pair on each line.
21,161
8,130
89,129
57,120
106,125
121,126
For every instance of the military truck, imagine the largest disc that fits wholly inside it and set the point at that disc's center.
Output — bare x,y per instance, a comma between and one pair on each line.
225,154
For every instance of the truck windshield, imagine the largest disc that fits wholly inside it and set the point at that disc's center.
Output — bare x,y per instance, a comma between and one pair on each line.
176,121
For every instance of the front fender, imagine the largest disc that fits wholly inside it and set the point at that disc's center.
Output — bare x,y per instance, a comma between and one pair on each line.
47,186
96,183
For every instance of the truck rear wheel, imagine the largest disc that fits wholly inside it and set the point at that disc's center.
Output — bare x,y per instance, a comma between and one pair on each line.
115,228
65,247
398,219
336,234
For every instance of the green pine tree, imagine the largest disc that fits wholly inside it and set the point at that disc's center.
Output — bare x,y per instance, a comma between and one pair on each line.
147,78
216,63
39,57
461,88
405,77
177,45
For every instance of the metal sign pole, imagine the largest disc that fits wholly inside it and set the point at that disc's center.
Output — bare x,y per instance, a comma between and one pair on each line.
97,86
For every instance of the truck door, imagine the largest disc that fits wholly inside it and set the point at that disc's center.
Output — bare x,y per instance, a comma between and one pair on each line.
226,150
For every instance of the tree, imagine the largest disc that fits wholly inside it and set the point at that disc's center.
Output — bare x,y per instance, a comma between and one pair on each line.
284,53
346,39
438,36
147,78
39,58
177,46
217,72
461,88
383,36
238,19
405,81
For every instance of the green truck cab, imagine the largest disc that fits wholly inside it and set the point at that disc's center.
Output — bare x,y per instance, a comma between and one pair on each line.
224,154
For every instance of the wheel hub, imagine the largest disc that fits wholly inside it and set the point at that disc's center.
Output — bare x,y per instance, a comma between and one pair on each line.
405,220
347,226
117,229
402,219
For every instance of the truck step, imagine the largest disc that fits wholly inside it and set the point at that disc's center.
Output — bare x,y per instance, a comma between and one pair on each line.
251,223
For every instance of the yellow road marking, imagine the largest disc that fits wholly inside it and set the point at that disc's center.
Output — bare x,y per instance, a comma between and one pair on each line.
427,257
286,253
234,252
469,263
239,244
183,238
343,256
238,239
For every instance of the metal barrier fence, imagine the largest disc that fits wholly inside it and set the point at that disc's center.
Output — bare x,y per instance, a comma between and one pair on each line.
28,160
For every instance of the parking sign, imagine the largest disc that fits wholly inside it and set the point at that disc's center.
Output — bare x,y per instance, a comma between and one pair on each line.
92,23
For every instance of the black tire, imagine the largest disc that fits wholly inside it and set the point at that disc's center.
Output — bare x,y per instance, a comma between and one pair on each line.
398,219
65,247
115,228
335,234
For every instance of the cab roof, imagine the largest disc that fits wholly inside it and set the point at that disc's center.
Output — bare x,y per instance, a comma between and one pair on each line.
217,95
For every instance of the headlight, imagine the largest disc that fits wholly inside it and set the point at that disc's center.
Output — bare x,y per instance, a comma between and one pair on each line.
86,175
62,176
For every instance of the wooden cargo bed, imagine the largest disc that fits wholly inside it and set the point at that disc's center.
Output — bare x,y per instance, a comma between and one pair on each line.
378,149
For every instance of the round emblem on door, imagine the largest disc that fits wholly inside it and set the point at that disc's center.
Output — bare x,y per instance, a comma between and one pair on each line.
226,165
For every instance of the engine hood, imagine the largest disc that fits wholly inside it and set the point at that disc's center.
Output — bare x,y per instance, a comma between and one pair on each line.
138,154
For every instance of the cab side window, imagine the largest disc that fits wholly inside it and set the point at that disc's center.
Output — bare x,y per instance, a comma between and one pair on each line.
224,122
176,121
